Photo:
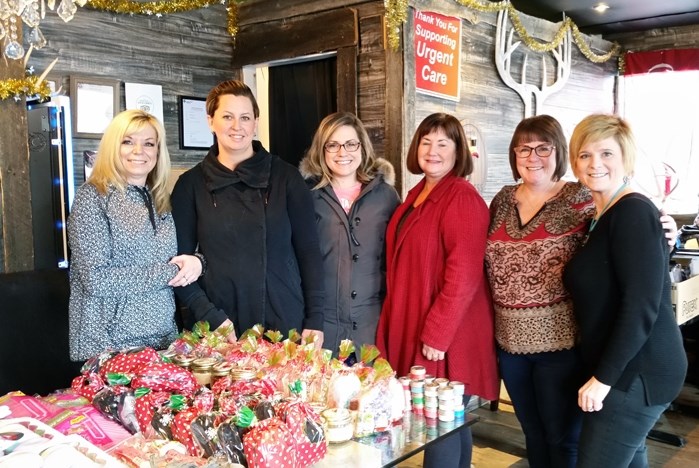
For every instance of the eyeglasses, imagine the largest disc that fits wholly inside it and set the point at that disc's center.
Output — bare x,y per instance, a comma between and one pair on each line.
334,147
543,151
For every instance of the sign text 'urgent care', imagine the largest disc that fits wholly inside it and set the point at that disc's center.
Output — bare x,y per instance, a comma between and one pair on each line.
437,54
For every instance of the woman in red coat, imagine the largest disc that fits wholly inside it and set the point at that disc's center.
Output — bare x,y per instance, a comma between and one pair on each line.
438,310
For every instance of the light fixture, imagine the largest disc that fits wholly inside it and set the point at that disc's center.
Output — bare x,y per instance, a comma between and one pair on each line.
601,7
13,12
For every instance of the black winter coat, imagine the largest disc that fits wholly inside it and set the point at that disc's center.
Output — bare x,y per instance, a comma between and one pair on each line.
256,229
353,248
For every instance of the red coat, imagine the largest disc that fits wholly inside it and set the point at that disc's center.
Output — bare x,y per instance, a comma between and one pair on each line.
437,292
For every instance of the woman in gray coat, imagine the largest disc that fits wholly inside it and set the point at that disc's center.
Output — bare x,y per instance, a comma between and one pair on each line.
354,198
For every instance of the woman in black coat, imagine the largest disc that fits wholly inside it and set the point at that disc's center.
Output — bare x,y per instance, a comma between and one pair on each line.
251,215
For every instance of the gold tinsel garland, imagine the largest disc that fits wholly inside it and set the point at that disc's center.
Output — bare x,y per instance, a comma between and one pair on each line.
396,15
393,16
28,86
159,8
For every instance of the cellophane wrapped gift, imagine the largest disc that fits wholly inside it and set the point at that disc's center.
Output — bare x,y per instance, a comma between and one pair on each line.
128,361
305,427
87,385
165,377
119,404
270,444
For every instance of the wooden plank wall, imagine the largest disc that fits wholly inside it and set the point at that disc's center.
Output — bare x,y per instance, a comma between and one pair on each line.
365,64
16,240
682,37
487,102
184,53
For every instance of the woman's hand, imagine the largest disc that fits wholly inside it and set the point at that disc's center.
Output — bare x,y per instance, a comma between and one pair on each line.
670,227
228,328
592,394
432,354
317,334
190,270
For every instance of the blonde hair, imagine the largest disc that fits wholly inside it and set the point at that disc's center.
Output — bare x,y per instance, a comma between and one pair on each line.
109,169
316,153
598,127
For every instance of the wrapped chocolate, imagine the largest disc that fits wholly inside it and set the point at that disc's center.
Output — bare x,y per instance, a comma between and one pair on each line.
107,401
204,433
231,443
126,411
264,410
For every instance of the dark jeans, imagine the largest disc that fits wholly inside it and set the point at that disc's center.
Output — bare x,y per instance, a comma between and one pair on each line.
543,388
454,451
616,435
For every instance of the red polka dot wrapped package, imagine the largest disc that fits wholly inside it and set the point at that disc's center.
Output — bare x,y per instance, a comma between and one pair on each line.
270,444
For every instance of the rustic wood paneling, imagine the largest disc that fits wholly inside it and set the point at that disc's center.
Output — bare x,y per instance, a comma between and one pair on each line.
16,239
394,112
283,39
265,11
682,37
294,37
186,54
347,79
485,101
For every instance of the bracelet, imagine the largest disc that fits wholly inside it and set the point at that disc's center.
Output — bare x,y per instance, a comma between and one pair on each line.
202,259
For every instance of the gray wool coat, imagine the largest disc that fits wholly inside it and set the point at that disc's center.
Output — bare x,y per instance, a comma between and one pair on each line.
353,248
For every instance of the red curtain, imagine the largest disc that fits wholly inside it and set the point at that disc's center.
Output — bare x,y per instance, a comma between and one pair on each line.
661,60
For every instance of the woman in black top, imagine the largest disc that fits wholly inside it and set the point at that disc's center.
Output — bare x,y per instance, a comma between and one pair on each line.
251,215
628,338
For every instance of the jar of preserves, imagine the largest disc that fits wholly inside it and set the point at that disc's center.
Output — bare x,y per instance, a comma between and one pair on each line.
202,369
338,425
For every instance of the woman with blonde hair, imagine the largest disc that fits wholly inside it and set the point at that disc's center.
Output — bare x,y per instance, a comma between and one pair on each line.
629,342
123,244
354,198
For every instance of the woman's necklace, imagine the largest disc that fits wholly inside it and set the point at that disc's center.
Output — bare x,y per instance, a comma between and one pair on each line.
593,223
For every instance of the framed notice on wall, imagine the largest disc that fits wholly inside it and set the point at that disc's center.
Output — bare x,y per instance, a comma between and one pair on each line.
95,102
194,126
437,54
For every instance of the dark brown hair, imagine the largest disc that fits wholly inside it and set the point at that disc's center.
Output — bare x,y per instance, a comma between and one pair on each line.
234,87
452,128
540,128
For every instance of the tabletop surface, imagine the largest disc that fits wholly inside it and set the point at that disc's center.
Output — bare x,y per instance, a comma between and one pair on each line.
389,448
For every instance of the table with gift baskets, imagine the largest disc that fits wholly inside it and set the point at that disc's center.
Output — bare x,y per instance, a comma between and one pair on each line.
266,401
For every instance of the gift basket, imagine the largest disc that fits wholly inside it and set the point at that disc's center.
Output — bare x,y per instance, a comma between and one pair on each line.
264,401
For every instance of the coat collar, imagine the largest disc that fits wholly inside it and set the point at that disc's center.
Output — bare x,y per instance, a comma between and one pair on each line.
253,172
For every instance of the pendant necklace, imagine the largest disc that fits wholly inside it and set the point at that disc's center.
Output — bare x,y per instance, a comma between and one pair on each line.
593,223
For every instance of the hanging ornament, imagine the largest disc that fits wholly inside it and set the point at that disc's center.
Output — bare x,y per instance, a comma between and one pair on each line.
31,16
66,10
36,38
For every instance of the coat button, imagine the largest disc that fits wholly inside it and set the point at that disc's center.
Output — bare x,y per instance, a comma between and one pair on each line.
355,257
354,294
357,220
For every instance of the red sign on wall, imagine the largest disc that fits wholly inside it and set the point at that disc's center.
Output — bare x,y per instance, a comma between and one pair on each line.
437,54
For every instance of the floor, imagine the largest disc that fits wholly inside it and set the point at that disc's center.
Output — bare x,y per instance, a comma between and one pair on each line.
499,443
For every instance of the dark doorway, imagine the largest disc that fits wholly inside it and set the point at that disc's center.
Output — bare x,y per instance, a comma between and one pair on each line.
300,95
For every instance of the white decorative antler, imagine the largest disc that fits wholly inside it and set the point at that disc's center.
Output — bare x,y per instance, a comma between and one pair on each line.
504,48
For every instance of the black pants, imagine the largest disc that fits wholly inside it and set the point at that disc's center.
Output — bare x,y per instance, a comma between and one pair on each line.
616,435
